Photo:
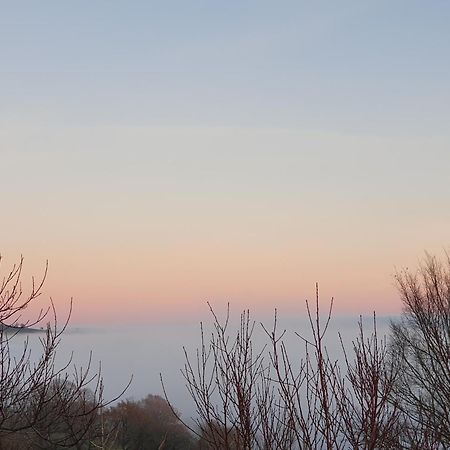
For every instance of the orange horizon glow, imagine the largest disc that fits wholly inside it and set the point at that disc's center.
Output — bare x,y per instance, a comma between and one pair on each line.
156,241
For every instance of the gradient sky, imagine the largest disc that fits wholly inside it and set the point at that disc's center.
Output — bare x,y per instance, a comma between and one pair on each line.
161,154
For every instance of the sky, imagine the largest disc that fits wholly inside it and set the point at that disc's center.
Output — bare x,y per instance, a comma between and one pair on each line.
164,154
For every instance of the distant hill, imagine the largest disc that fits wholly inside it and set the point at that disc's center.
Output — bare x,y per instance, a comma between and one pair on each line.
20,329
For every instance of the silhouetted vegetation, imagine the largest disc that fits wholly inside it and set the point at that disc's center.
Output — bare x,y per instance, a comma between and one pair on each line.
421,354
383,394
147,424
42,405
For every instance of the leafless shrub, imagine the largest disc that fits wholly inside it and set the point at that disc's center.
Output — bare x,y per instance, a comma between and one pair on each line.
41,405
421,351
229,372
369,412
383,394
266,399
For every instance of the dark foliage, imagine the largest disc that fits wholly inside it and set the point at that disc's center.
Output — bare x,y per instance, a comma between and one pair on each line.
147,424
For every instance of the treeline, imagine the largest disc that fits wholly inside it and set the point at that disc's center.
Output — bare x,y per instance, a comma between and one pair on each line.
149,424
384,393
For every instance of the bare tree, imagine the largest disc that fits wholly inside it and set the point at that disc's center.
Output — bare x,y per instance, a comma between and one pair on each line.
41,405
369,411
223,383
421,351
383,394
306,386
269,399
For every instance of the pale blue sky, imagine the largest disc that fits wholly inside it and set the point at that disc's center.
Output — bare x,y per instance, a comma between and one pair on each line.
171,152
378,67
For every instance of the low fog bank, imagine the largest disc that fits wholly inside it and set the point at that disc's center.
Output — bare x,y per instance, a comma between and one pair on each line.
145,352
